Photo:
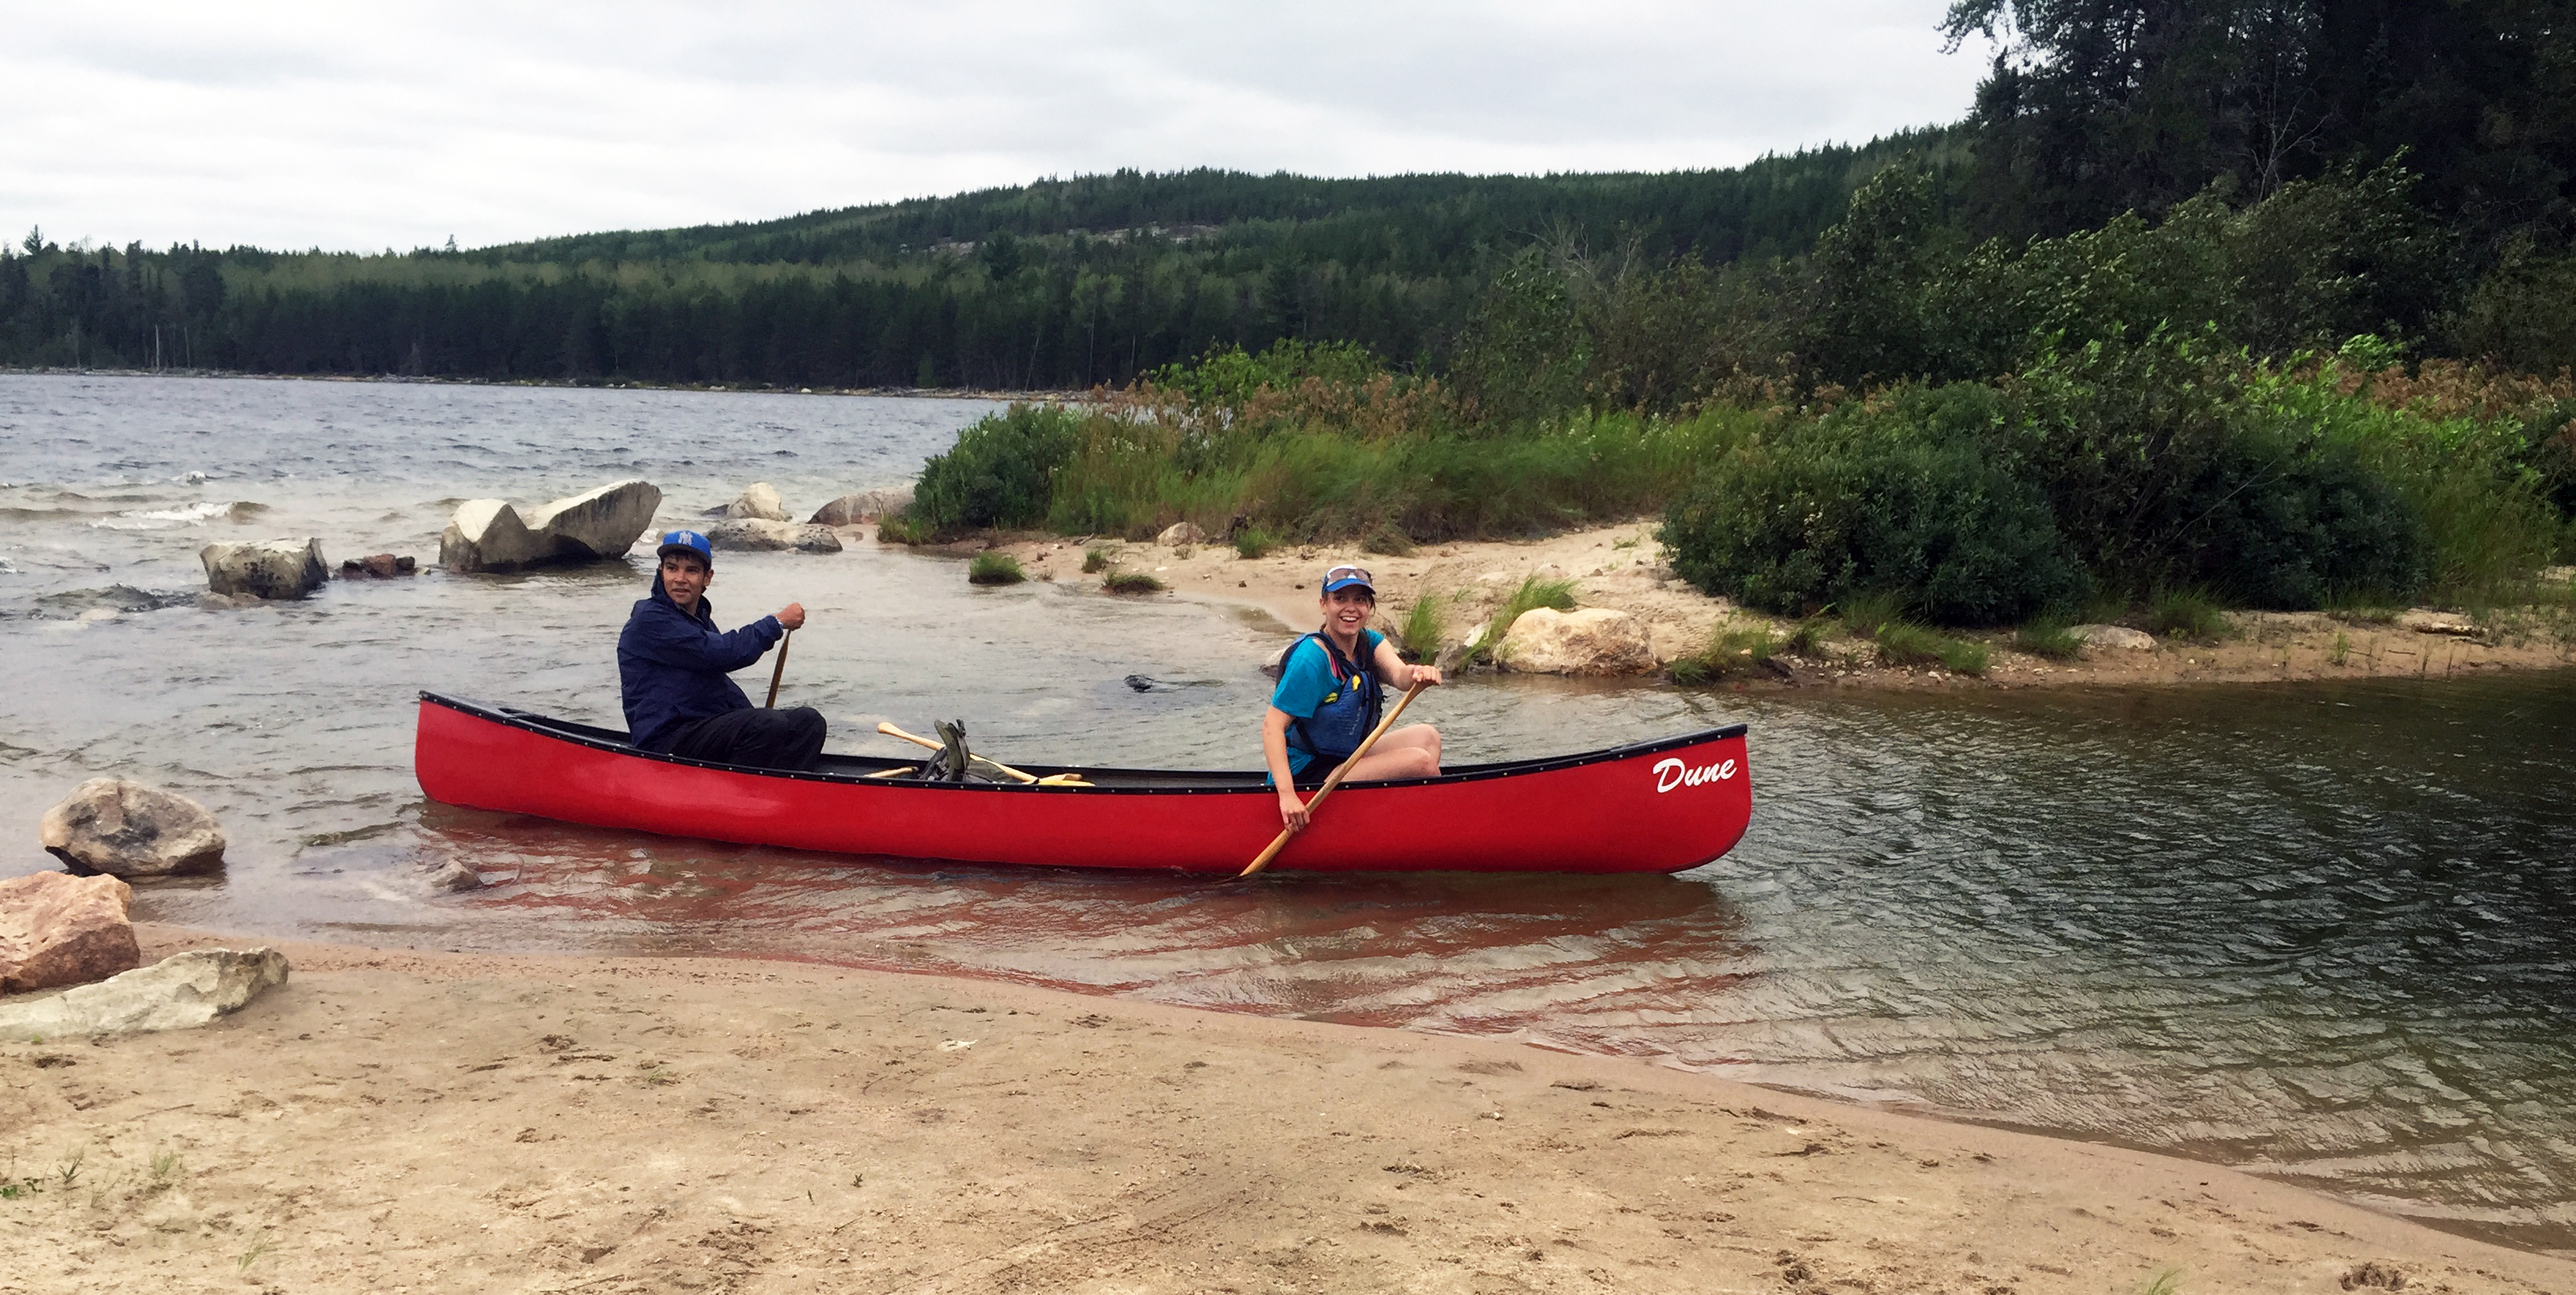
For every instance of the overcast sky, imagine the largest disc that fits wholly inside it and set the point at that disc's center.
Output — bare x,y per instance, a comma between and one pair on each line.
366,126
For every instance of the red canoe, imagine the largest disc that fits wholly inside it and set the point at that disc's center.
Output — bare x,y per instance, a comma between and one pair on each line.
1653,807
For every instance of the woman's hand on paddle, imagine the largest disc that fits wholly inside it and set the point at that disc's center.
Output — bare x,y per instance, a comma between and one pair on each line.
1292,811
792,616
1424,676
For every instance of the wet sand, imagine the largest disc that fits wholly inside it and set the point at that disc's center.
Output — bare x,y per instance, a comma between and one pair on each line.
1623,567
415,1121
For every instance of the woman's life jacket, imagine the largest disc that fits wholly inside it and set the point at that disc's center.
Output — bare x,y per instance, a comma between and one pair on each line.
1343,721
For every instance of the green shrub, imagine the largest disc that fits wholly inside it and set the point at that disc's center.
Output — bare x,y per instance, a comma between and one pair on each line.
2048,637
1901,498
903,528
1131,582
1252,542
1732,649
1424,627
1095,560
2187,614
1808,638
1001,472
994,568
1387,541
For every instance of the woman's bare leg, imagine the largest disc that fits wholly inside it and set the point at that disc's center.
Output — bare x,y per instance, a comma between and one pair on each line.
1409,752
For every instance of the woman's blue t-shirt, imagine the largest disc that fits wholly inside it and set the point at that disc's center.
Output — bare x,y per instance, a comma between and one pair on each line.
1306,682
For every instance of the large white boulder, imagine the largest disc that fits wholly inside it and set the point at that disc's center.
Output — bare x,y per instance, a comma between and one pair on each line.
1592,641
266,569
758,502
600,523
57,929
1179,533
865,506
487,535
490,535
180,992
127,829
752,535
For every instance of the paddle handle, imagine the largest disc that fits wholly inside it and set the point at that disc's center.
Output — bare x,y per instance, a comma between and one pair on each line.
1339,772
779,671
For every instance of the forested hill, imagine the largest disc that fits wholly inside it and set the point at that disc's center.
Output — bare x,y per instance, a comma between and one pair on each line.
1060,283
1404,224
2398,167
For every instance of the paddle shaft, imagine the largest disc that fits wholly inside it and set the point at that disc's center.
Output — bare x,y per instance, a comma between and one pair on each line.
890,730
778,671
1340,772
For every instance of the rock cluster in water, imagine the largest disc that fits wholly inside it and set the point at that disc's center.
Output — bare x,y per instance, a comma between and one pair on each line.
490,535
754,535
758,502
377,566
276,569
57,929
127,829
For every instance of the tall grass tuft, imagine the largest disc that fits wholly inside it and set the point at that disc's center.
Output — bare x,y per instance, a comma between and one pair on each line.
1424,627
1533,593
1252,542
1732,649
1131,582
2187,614
2048,637
993,567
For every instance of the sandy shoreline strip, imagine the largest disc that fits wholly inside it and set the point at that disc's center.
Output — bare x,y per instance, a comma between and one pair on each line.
1624,567
415,1121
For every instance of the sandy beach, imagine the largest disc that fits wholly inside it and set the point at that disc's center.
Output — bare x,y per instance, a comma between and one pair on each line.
1624,567
421,1121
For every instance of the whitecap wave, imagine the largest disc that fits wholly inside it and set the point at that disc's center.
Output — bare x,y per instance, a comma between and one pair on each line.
153,519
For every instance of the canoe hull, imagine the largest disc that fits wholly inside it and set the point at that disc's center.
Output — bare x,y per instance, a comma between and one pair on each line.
1656,807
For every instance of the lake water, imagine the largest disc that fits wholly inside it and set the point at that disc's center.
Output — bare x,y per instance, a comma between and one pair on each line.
2324,931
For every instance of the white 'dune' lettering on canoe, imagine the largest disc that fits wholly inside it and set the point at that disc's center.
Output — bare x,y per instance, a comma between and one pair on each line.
1671,773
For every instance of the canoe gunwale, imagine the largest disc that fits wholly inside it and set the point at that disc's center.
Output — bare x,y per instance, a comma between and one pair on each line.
588,736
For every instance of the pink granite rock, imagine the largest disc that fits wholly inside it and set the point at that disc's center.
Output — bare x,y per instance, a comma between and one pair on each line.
57,929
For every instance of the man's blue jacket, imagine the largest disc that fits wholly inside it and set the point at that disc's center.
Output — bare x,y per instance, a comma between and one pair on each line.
671,666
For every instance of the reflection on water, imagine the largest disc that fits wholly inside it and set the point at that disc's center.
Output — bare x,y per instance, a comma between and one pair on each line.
2322,930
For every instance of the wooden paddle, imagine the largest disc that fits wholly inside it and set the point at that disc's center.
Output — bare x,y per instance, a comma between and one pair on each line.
1051,780
1339,773
778,671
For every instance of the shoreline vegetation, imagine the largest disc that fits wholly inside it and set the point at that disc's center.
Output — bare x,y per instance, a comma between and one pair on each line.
729,1124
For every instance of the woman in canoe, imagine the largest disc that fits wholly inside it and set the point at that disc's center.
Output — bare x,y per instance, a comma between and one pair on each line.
1332,688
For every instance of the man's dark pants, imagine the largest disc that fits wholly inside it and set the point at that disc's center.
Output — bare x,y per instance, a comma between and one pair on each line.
761,739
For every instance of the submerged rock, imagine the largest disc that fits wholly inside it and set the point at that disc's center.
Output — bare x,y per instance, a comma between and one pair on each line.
756,536
490,535
456,876
127,829
275,569
2120,637
180,992
1592,641
57,929
865,506
85,604
758,502
377,566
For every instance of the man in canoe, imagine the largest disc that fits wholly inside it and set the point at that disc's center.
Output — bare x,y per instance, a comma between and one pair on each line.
1332,687
672,663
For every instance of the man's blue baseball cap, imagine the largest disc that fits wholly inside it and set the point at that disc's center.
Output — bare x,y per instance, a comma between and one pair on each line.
687,542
